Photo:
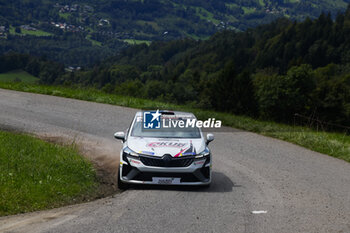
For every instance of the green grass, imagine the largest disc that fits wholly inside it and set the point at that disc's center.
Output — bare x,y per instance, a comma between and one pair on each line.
248,10
18,75
36,33
133,42
262,3
196,37
94,42
64,15
206,15
334,144
232,5
36,175
29,32
152,23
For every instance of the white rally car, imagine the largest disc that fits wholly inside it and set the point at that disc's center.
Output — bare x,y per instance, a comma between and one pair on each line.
175,156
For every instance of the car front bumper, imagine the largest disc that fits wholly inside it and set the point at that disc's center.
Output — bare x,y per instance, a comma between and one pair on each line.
133,170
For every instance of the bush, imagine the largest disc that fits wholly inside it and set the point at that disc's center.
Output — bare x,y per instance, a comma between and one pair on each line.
280,97
130,88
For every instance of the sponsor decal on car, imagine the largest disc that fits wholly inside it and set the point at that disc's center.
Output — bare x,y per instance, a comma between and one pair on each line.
146,152
188,151
199,162
166,144
135,161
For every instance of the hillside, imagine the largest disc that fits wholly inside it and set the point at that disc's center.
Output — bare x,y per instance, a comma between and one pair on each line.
272,72
86,31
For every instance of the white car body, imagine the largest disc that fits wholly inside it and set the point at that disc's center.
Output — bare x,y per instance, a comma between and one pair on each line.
167,161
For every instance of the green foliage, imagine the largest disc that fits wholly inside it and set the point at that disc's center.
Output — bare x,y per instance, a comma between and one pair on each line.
47,71
99,29
333,95
272,72
279,97
232,92
18,76
130,88
18,30
151,17
269,72
69,49
36,175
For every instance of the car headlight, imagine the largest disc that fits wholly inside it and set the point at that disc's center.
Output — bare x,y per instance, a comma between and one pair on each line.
204,153
127,151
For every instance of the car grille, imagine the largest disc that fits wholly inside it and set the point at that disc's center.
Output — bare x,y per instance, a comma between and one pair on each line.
166,161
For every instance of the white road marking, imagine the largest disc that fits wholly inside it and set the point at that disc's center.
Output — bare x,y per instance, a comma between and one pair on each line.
259,212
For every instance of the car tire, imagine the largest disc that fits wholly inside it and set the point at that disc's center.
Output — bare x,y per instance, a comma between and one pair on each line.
121,185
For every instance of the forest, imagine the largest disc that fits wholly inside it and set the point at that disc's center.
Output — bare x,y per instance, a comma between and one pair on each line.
81,33
69,49
271,72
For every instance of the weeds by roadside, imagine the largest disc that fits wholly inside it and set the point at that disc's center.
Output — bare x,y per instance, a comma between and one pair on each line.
36,175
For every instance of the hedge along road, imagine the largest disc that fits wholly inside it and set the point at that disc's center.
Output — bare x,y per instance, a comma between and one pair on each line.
259,184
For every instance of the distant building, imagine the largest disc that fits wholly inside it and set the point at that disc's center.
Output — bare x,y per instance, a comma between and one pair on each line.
72,68
88,8
103,22
3,31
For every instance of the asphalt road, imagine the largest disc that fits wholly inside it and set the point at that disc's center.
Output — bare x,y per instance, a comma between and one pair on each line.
302,191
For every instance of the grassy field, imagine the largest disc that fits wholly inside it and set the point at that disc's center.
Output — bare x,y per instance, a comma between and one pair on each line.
36,33
37,175
133,42
334,144
195,37
206,15
64,15
18,76
248,10
29,32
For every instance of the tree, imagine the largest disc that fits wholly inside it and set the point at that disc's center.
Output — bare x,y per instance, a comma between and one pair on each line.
18,30
280,97
233,92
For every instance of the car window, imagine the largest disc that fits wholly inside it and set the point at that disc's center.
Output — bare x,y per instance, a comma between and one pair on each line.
173,132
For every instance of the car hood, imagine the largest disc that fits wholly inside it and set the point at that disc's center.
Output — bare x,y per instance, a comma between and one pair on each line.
161,146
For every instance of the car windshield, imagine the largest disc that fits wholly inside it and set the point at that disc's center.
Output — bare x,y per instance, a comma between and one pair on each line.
173,132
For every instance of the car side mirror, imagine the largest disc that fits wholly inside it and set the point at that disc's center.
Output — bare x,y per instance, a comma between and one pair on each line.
120,136
210,137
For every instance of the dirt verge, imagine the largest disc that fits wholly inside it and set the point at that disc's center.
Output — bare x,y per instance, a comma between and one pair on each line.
103,153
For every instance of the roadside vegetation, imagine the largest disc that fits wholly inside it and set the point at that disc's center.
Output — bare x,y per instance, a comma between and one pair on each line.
336,144
36,175
18,76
